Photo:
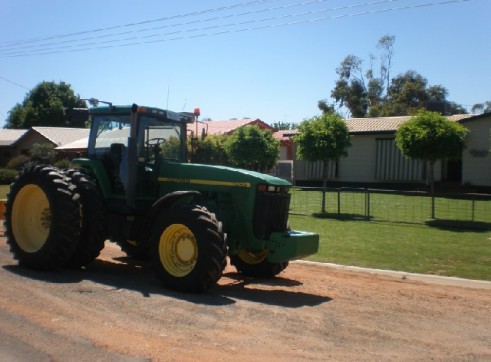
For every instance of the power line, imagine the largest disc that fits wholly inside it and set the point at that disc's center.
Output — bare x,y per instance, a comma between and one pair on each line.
22,44
19,50
194,13
14,83
215,30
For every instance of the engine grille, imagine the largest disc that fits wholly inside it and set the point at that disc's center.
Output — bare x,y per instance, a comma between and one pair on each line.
270,213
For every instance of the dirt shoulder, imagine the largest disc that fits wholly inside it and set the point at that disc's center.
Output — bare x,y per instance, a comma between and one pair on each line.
116,310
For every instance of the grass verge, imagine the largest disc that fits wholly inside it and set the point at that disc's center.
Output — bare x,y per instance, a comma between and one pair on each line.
4,189
403,247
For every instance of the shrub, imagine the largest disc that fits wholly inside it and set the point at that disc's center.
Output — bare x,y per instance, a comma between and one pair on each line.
63,164
18,162
7,176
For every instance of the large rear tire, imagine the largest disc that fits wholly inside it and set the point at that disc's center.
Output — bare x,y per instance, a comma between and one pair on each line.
92,236
188,249
256,264
42,218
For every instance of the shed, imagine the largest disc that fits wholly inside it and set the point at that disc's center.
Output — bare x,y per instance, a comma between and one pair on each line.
374,157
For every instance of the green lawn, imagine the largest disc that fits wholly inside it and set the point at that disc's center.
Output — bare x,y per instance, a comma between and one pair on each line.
404,247
4,189
401,234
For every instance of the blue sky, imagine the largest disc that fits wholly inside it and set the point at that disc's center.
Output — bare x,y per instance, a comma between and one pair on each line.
267,59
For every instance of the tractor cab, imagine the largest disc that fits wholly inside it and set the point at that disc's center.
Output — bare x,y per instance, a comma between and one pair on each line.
130,143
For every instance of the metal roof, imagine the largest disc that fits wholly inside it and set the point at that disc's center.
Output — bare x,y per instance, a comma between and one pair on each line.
229,126
61,136
388,124
9,136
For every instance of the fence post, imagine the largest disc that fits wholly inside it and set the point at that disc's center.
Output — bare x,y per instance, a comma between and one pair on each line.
339,203
432,205
473,207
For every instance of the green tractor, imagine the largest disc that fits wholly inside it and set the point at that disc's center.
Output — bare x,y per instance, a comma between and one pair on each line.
135,188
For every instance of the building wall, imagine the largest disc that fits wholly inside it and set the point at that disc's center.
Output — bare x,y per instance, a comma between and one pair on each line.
22,147
476,159
25,144
359,165
283,152
372,158
6,154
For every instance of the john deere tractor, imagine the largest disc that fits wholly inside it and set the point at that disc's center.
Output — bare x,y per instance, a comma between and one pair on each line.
135,188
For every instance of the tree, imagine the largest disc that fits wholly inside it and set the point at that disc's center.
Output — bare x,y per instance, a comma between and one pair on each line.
43,153
284,126
386,43
47,104
326,107
482,107
429,136
407,93
323,138
252,148
350,90
374,93
209,150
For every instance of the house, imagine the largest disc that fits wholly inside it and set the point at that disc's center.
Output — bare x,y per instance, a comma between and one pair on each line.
476,158
8,141
286,143
74,149
17,142
375,159
226,127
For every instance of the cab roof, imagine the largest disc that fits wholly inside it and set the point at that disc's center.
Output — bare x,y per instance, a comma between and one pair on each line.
153,111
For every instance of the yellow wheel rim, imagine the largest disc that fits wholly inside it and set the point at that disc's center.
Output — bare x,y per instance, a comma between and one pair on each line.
253,258
178,250
31,218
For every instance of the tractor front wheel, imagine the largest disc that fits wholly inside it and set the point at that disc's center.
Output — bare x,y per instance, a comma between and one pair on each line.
188,248
256,264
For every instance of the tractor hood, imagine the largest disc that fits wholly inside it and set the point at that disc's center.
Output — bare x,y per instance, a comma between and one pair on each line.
209,175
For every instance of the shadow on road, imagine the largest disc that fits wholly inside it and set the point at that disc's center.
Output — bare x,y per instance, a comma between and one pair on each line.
126,273
277,292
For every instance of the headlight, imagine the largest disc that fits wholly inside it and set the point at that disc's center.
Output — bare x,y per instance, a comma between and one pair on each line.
273,189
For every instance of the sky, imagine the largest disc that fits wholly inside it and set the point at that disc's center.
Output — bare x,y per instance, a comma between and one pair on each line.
267,59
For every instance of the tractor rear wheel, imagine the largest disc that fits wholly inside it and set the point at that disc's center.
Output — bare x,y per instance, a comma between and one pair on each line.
188,248
92,235
256,264
42,218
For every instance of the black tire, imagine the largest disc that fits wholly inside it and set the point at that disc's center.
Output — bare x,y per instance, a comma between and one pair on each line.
42,218
92,235
188,248
256,265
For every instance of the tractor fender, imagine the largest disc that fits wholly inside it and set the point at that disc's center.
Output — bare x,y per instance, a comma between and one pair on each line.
168,201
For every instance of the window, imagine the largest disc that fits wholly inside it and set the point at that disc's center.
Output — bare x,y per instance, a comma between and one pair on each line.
111,132
160,141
